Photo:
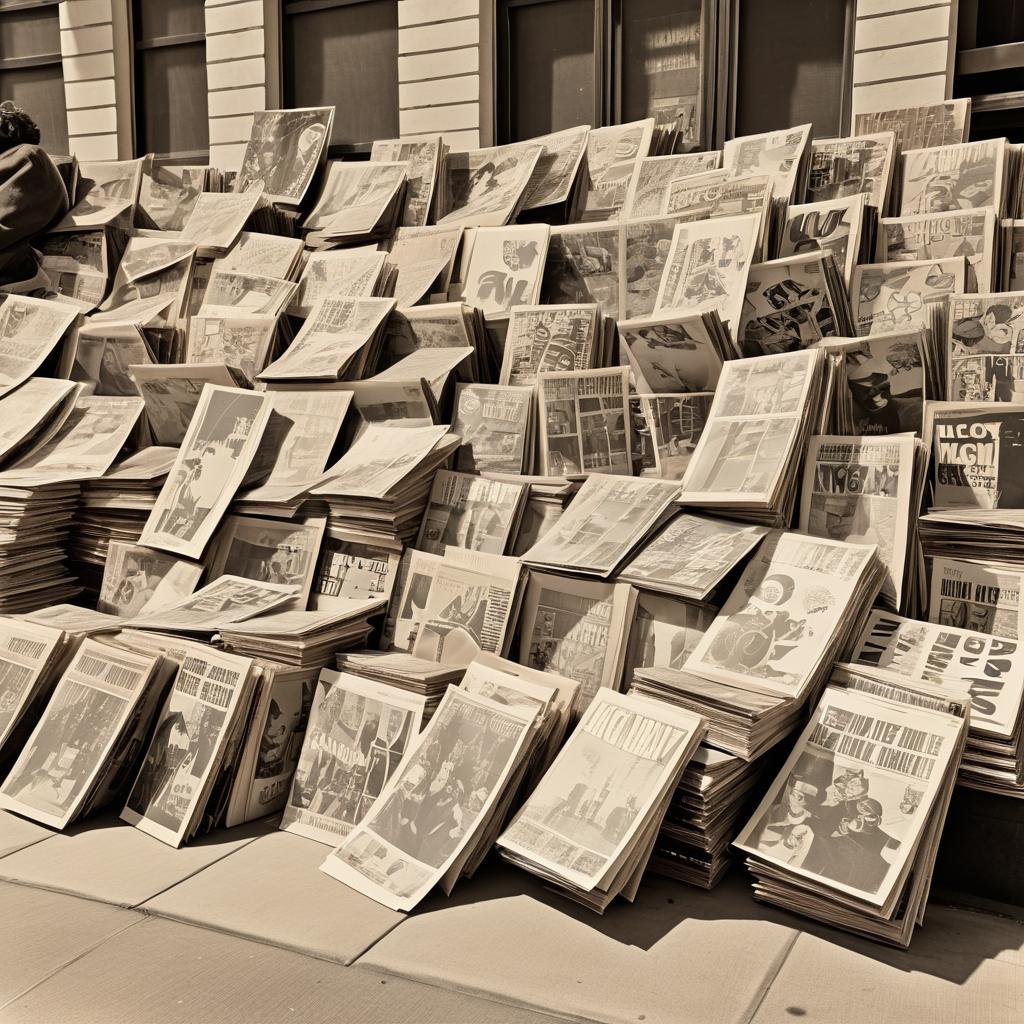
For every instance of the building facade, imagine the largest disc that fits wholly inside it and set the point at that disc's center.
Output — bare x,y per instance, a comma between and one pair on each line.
181,78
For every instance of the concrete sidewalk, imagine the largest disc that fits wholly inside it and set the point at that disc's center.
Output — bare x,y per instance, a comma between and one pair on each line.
104,924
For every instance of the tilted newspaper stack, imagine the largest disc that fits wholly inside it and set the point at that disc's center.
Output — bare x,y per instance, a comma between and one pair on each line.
747,461
989,668
704,816
849,830
590,825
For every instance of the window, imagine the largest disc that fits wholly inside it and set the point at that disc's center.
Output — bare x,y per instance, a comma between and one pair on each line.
170,80
344,53
990,66
547,65
566,62
32,76
791,65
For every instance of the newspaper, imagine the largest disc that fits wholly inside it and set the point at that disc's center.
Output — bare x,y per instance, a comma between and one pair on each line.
28,653
930,236
790,304
284,150
754,423
30,330
706,268
169,194
860,489
467,604
466,511
777,154
889,297
494,423
76,735
935,124
104,356
246,294
691,555
31,407
486,186
379,459
217,219
268,550
188,743
614,770
172,392
83,448
666,429
978,596
506,267
834,225
219,446
644,247
422,158
671,354
584,265
604,522
543,339
613,157
331,340
226,600
854,800
776,626
895,648
446,786
665,631
577,629
559,163
355,197
302,432
985,351
975,456
264,255
348,272
721,194
242,342
959,177
861,165
353,568
584,422
423,258
886,377
138,580
649,189
358,733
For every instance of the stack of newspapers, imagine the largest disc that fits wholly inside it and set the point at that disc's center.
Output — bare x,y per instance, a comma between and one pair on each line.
848,831
704,816
530,496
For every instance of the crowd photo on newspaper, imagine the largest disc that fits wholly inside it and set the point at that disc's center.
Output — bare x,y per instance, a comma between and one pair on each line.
590,503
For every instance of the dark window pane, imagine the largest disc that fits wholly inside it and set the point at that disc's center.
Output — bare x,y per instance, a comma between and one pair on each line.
158,18
33,32
789,65
1000,21
41,92
661,60
345,56
170,99
546,66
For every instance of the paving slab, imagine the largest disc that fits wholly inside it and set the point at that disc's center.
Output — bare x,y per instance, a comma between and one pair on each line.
43,931
189,974
677,955
824,982
16,833
273,890
107,859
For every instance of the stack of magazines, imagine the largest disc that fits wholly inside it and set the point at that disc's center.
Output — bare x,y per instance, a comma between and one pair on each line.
849,830
705,814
